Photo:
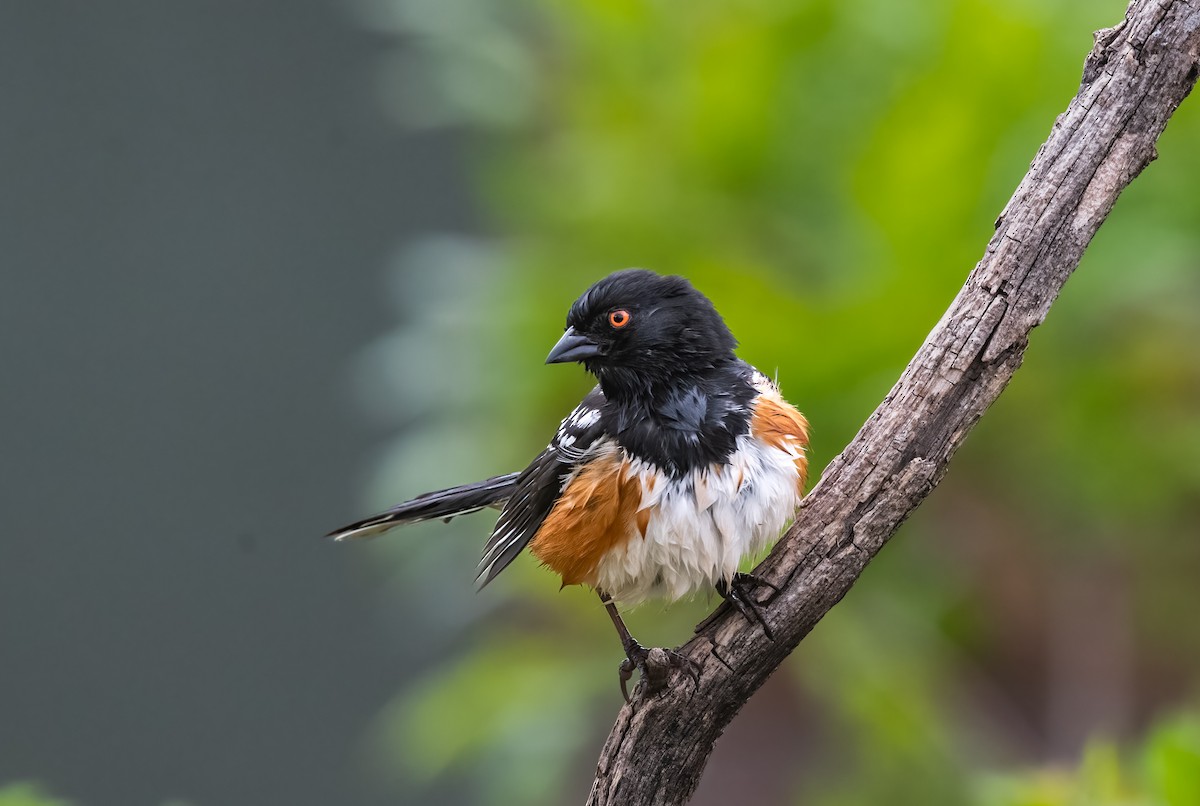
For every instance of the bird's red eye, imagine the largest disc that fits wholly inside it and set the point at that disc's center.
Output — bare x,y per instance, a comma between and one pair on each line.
619,318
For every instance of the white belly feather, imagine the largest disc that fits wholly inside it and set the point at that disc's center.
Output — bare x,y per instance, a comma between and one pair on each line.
702,525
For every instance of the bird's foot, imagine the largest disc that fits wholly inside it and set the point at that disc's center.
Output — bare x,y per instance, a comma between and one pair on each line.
655,664
737,593
748,580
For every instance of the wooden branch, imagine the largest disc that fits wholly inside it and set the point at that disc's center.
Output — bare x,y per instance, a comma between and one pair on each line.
1133,80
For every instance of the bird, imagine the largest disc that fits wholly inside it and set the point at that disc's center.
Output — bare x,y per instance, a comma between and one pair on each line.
681,462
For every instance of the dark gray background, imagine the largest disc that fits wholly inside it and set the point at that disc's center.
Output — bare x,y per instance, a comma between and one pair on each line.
197,202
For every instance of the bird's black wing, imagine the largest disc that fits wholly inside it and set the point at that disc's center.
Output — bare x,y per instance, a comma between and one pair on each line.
444,504
539,486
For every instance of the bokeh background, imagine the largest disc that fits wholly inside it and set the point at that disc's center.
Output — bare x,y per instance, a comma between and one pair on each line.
270,266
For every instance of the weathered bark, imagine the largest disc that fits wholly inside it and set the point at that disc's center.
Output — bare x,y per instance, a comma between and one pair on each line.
1136,75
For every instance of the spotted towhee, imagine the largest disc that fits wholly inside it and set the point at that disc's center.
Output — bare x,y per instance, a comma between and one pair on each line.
681,462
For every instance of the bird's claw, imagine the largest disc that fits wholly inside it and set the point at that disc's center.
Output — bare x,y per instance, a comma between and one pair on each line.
737,593
654,664
753,580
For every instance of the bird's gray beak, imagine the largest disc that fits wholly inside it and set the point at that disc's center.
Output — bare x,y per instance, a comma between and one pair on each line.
572,347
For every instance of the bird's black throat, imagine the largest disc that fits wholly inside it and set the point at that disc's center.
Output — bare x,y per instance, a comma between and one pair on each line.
681,421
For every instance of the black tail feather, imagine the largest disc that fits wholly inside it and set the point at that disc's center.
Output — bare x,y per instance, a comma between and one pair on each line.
444,504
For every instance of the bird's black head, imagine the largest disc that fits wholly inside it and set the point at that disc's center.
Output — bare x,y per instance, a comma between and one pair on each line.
636,330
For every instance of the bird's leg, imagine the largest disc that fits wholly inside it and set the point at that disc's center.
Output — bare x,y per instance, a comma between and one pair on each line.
637,656
736,592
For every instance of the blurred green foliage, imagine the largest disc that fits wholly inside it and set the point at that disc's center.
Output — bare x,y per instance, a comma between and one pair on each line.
827,171
27,794
1164,772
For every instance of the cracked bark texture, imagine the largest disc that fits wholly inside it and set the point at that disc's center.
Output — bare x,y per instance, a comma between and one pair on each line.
1136,75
